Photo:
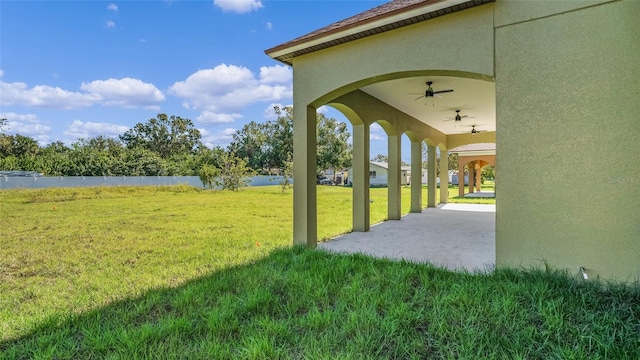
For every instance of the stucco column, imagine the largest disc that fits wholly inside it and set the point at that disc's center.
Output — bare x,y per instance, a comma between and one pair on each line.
394,211
460,178
444,176
431,176
479,177
305,225
472,176
416,168
360,177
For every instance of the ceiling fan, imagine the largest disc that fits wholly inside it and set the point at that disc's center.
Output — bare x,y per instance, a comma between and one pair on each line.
474,131
458,117
430,92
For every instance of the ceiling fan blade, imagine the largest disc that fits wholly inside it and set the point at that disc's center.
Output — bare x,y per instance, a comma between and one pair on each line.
448,120
419,97
442,91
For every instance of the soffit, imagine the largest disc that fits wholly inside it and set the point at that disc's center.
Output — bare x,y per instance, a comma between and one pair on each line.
475,99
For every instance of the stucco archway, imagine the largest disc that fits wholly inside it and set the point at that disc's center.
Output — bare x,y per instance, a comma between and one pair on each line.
494,40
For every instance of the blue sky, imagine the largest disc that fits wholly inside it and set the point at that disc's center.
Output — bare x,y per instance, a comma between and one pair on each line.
78,69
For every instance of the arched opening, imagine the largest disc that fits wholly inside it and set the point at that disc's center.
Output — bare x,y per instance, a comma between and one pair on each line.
471,159
409,127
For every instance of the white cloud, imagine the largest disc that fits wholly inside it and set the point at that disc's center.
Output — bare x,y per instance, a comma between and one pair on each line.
11,116
27,125
220,138
209,117
374,129
324,109
269,25
229,88
112,7
238,6
109,24
44,96
79,129
125,92
278,74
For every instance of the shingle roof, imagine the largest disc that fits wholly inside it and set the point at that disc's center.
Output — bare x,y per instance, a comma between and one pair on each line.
474,147
386,165
392,8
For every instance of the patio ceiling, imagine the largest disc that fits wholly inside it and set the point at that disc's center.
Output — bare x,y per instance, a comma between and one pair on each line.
475,98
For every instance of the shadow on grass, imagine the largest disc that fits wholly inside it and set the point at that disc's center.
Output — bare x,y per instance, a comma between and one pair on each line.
298,303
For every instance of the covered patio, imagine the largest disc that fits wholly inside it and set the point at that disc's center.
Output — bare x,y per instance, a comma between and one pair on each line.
454,236
446,102
503,71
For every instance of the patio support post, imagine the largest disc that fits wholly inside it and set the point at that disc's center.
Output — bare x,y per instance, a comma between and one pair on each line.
416,168
460,178
444,176
431,176
394,211
361,177
304,172
479,177
472,176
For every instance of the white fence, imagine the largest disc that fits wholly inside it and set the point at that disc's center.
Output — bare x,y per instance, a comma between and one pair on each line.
37,182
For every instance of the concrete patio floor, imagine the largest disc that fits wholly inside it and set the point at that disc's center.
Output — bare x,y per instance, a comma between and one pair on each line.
455,236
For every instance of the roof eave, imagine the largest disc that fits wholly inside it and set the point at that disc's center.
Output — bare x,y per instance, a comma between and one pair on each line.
376,24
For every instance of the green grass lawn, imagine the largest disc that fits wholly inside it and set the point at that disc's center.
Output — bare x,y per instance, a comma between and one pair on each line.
176,272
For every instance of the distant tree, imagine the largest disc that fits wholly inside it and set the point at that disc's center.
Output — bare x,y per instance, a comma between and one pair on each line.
287,174
208,175
164,136
280,138
234,173
250,143
143,162
18,145
453,161
57,147
488,172
269,145
381,158
56,159
334,151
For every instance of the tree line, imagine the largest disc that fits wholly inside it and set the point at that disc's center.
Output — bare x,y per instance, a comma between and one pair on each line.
171,145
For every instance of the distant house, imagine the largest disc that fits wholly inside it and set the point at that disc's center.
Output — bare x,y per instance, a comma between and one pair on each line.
378,174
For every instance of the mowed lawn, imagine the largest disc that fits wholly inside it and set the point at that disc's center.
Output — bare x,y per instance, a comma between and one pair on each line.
176,272
68,250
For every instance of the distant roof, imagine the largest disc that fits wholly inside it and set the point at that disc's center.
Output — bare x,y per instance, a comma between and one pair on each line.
386,165
389,16
474,147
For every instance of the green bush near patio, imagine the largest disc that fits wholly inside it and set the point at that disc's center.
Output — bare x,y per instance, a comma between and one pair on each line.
177,272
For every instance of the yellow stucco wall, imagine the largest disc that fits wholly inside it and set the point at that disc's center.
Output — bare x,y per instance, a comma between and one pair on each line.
567,105
456,43
568,139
